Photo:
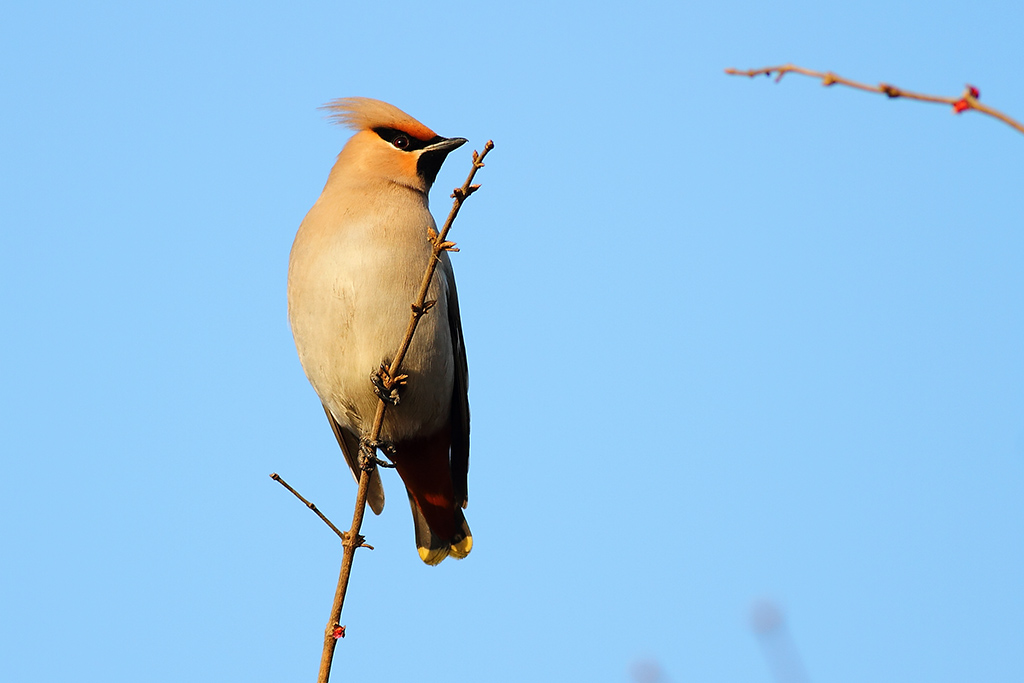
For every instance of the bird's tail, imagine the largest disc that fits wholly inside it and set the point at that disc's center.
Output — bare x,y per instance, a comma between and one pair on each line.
440,526
431,547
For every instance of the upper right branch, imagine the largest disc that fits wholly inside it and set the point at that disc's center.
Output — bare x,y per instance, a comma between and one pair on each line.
967,100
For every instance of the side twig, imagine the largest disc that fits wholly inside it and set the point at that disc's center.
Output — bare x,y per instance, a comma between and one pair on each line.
390,379
277,477
967,100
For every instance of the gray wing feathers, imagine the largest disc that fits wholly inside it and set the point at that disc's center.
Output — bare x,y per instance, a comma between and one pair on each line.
350,448
460,393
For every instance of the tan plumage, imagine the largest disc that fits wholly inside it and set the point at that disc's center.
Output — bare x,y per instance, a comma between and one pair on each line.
363,113
355,268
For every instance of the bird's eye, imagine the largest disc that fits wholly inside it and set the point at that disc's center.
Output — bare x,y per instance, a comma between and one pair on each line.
401,142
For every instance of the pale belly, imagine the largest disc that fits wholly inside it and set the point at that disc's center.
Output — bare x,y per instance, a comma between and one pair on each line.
349,315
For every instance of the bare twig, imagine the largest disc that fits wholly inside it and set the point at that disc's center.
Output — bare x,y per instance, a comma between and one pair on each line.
276,477
460,194
389,378
967,100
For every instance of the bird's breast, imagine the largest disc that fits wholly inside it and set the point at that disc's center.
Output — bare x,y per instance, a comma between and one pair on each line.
351,282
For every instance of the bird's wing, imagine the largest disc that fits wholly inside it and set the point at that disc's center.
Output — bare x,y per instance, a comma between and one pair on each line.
350,447
460,393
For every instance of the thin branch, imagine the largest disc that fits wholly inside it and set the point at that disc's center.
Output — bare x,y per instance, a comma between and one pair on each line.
460,194
390,379
350,542
276,477
967,100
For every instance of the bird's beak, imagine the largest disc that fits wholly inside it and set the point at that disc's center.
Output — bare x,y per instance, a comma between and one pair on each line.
444,146
433,155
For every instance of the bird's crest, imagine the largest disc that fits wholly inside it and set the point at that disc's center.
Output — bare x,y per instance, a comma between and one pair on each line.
364,113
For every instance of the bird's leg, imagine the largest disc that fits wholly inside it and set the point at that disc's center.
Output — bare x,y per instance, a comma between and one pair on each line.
385,386
368,453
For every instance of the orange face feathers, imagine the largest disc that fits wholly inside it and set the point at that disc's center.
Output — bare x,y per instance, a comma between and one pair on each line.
389,145
364,113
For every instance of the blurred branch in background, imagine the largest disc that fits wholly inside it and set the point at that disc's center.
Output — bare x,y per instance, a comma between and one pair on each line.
776,643
647,671
967,100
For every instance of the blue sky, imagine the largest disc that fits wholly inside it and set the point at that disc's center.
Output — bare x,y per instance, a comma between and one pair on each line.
729,341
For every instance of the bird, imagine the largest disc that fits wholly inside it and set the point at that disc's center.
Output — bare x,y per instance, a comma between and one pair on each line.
355,267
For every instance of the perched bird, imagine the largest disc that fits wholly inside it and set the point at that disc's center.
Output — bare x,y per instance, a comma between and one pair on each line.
356,267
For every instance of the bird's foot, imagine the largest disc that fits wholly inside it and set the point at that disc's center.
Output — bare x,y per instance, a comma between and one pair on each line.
368,453
387,387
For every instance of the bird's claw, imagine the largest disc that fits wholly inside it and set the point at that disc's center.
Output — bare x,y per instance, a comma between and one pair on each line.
387,387
368,453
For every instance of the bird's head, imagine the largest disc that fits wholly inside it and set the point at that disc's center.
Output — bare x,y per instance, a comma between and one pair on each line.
389,145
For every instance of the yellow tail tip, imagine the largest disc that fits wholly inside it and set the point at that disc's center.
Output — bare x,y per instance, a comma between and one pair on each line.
461,549
434,556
